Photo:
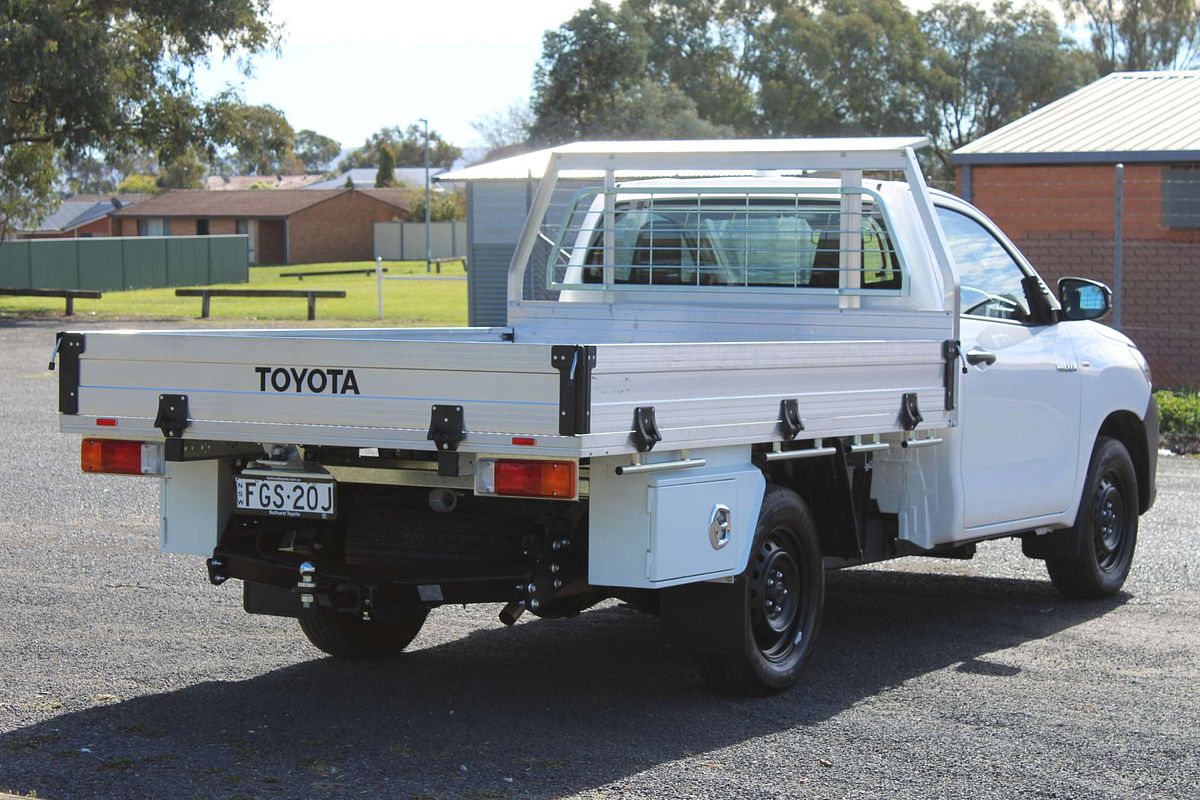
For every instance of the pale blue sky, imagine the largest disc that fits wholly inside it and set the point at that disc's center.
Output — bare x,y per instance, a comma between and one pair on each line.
349,68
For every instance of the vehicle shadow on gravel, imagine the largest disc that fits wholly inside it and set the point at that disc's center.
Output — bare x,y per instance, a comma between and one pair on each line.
545,709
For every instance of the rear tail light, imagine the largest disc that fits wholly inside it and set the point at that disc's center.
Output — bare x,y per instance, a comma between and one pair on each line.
520,477
120,457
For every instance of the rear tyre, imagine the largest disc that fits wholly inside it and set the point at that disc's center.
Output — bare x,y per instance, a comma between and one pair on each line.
784,593
346,636
1106,524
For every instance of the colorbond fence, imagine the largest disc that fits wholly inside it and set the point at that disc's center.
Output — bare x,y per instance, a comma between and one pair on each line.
124,262
405,241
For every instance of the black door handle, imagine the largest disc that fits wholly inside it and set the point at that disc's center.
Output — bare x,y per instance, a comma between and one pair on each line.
980,357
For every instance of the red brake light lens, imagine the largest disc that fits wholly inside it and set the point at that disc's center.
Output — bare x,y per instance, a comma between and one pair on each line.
529,478
120,457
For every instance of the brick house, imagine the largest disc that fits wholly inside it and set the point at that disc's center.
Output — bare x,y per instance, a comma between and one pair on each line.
1049,180
284,226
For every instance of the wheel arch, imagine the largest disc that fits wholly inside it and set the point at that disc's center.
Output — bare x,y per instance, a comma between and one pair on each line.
836,492
1130,430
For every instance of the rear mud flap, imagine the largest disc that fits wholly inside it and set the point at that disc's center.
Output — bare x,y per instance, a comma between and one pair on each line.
706,617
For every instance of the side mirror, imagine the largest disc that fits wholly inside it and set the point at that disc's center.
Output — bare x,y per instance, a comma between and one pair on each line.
1084,299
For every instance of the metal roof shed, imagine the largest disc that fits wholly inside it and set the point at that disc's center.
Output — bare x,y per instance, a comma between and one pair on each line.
1050,181
1125,117
500,194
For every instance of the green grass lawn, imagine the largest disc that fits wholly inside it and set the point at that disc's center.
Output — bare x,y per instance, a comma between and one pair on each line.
406,302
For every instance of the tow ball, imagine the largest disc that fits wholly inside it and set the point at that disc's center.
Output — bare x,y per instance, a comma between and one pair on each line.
307,584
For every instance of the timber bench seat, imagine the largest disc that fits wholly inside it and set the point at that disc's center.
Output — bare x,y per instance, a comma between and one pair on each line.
437,262
206,296
71,295
303,275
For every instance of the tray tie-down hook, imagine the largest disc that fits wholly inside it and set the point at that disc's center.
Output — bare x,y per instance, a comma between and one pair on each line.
910,414
789,419
645,429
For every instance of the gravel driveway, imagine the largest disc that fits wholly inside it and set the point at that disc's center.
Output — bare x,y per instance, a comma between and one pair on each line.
125,674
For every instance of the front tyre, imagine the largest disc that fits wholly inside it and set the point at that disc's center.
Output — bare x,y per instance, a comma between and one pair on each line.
1106,525
784,593
344,635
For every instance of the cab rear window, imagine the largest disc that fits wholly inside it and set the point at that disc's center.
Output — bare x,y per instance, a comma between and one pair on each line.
762,243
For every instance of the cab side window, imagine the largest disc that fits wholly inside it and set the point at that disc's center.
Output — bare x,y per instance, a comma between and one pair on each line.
989,278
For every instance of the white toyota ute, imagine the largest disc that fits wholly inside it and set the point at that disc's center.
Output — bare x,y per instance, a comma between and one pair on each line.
791,357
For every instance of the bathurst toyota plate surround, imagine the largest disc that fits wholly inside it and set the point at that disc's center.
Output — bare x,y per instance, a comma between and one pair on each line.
275,493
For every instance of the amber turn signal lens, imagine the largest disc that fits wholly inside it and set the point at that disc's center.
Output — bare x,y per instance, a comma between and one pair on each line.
529,478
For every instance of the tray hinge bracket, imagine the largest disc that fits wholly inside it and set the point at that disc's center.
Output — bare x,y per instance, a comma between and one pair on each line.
574,363
172,415
789,419
645,429
910,413
446,427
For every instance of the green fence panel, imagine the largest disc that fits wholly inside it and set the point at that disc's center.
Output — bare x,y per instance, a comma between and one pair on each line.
145,261
229,259
187,261
101,264
54,264
14,265
124,262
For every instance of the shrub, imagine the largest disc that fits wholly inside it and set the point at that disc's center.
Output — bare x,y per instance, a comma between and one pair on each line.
1179,420
443,206
139,184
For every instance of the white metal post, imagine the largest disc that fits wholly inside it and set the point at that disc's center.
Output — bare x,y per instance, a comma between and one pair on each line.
1118,255
428,252
379,284
850,252
610,228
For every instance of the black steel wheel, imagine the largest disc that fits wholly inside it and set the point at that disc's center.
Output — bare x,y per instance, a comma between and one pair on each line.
1106,524
777,594
345,635
784,593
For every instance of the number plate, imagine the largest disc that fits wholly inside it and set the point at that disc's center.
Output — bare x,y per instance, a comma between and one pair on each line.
286,497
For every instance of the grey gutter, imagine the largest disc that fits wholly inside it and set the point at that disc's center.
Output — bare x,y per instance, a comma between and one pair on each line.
1099,157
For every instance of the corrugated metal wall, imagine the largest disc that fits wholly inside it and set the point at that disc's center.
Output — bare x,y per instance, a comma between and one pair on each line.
496,212
124,262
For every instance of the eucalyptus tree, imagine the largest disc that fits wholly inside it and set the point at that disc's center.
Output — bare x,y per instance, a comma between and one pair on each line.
109,75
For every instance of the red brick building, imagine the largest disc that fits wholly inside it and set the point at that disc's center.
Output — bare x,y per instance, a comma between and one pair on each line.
300,226
1050,180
